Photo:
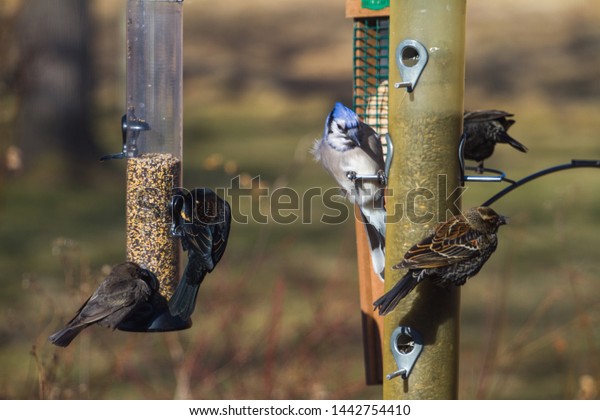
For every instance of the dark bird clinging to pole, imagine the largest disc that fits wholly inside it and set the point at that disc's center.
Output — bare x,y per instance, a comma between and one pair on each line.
483,130
124,292
201,219
454,252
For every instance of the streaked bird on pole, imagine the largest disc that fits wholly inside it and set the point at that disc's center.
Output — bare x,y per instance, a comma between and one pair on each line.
455,251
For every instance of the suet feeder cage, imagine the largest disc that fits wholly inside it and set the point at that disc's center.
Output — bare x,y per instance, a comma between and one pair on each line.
152,144
371,50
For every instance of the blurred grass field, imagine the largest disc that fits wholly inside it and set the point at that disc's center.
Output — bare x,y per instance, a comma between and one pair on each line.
280,316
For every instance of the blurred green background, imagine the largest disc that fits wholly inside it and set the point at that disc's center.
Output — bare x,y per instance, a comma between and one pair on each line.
280,316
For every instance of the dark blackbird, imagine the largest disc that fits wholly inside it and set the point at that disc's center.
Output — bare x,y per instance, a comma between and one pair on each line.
202,220
454,252
483,129
125,291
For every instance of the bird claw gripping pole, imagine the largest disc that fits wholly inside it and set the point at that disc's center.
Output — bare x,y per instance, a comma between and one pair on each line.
406,345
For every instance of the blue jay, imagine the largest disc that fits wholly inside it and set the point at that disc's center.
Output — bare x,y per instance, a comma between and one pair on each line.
349,148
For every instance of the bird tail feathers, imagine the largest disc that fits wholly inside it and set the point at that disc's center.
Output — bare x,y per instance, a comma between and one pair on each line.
374,220
64,337
390,300
183,301
505,138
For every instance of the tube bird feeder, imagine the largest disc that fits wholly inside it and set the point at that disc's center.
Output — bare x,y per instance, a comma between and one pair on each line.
425,124
152,136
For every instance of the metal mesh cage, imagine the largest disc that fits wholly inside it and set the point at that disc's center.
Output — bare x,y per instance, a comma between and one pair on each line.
371,41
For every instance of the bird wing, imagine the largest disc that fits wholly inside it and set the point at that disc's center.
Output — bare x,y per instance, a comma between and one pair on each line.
487,115
452,242
206,237
112,294
221,234
198,237
197,231
371,143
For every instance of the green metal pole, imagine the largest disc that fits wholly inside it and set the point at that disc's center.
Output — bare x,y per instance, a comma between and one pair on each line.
425,126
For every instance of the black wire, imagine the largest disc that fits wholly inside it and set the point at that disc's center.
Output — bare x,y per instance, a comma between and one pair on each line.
575,163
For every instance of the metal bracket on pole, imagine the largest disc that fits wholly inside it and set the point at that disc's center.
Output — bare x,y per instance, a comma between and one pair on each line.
406,345
575,164
499,177
136,125
382,178
411,57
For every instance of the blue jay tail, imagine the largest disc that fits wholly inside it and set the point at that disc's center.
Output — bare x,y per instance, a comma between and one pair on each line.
376,238
183,301
390,300
64,337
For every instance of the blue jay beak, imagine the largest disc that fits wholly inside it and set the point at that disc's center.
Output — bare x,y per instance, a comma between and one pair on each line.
353,135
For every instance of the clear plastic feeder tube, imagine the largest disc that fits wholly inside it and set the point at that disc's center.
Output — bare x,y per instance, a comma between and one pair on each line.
153,134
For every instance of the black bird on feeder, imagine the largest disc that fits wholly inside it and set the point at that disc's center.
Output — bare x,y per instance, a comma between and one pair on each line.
201,219
454,252
483,130
124,294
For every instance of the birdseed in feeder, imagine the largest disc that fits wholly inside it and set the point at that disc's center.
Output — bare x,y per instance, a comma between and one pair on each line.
150,180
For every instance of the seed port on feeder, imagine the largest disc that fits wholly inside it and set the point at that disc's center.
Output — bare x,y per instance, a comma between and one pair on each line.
411,58
135,126
406,345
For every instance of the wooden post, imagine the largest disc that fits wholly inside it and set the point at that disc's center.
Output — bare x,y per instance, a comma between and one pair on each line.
425,126
370,287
